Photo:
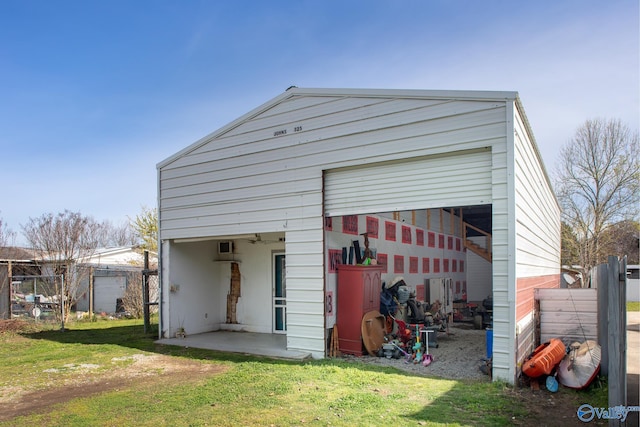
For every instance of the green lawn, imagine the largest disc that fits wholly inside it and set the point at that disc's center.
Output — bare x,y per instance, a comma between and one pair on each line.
221,389
633,306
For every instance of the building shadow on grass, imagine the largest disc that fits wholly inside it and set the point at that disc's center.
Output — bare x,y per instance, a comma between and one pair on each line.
133,336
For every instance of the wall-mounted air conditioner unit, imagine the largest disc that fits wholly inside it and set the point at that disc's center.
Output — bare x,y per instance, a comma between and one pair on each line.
225,247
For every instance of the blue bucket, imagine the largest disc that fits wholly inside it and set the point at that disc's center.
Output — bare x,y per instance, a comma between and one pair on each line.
489,339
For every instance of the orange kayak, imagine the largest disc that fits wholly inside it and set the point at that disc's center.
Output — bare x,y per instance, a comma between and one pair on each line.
544,358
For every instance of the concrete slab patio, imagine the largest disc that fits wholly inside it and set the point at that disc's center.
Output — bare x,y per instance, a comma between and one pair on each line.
268,345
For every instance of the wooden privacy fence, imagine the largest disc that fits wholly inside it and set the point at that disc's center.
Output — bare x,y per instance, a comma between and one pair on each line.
568,314
598,313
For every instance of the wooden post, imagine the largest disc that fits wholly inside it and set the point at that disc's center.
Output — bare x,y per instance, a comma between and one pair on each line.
145,293
6,295
536,319
91,279
452,222
617,319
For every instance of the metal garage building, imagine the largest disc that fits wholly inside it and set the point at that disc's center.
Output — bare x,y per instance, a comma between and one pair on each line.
257,192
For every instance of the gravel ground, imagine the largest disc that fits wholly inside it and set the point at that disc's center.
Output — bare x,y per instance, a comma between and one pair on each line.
459,355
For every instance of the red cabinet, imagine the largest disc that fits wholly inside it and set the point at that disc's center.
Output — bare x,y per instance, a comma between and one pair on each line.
358,293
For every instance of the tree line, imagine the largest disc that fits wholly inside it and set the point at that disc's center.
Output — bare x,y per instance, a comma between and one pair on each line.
68,232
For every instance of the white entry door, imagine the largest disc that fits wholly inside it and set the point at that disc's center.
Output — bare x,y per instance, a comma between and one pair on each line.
279,294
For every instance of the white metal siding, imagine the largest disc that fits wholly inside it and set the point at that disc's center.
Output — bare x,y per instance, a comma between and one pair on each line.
305,288
537,212
107,289
266,180
479,276
503,305
457,179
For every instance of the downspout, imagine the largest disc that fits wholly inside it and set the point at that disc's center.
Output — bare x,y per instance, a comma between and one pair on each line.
91,288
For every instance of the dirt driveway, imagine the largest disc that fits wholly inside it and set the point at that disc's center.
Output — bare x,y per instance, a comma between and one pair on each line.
157,368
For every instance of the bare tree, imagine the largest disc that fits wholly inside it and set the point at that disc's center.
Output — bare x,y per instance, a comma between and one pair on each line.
64,242
597,184
133,299
7,237
117,235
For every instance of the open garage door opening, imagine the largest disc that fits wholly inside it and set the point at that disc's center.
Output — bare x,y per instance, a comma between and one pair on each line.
437,263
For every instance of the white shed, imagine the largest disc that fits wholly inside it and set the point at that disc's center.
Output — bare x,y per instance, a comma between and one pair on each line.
112,270
312,168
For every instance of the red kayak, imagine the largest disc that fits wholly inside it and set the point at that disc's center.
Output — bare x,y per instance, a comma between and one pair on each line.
544,358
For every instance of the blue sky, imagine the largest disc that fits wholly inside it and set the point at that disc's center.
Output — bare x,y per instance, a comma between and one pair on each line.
93,94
